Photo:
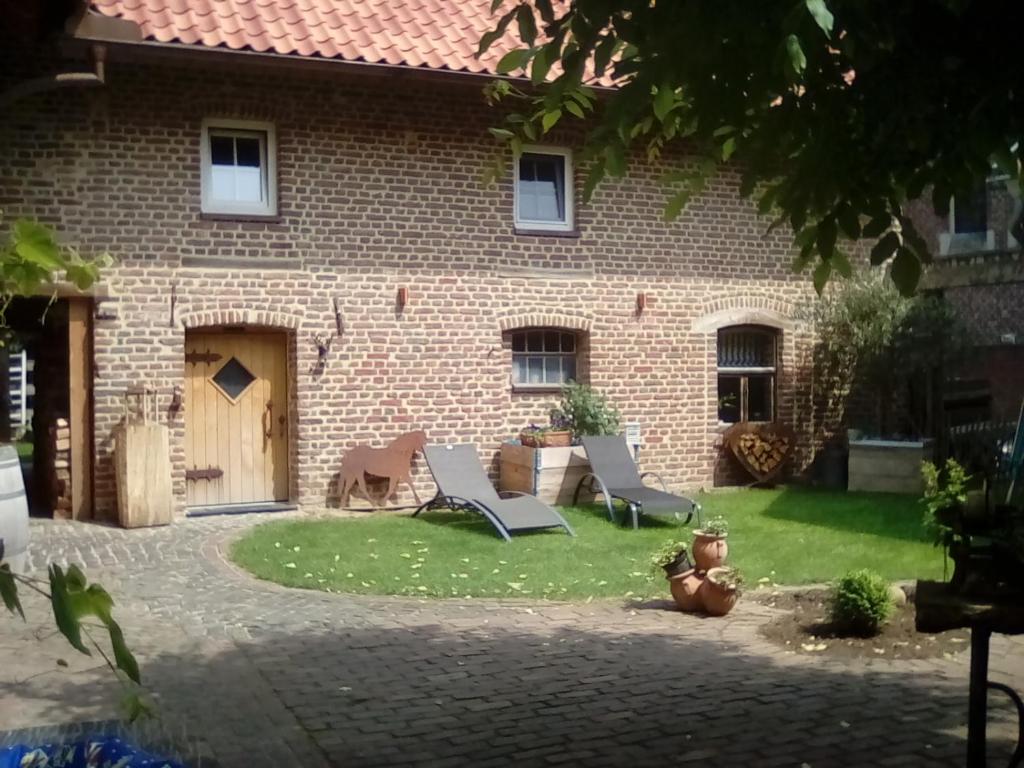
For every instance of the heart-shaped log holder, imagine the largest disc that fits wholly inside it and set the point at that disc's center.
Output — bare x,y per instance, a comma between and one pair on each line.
761,449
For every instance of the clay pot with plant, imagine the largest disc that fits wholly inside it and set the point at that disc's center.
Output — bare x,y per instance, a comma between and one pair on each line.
720,590
672,557
710,548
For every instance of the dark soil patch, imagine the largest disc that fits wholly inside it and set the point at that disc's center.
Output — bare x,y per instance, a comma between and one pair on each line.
804,629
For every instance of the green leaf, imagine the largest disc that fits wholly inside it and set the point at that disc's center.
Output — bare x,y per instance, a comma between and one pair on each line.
594,177
63,610
884,248
488,39
827,234
37,245
849,222
513,60
664,100
822,273
501,133
574,108
123,657
541,66
9,591
841,264
806,236
496,4
906,271
550,119
527,24
615,156
677,203
603,53
821,15
877,226
728,147
797,59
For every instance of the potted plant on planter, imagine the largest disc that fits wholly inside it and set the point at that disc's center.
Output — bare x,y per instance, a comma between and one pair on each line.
710,547
672,557
720,590
585,412
683,579
556,435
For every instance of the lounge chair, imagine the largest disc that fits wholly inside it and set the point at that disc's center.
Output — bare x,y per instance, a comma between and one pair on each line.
616,477
462,484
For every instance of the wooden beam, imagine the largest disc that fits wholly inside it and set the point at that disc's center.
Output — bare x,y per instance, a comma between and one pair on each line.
80,410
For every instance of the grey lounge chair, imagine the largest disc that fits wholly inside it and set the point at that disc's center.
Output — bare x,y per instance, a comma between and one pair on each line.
615,476
463,484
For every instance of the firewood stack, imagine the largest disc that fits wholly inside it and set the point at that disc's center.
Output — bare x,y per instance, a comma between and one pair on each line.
61,433
764,452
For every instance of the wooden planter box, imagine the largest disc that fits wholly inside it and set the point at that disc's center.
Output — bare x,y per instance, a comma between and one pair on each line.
550,474
892,466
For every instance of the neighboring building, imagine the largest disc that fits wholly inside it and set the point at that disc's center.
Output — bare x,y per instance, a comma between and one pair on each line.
979,270
308,259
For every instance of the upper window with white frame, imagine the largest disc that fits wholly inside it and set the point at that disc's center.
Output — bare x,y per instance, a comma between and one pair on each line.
969,226
543,191
239,174
543,358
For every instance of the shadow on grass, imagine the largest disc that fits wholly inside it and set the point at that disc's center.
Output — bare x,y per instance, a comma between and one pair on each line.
477,525
889,515
623,519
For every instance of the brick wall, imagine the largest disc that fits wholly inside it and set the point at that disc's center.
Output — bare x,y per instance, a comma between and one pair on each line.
379,187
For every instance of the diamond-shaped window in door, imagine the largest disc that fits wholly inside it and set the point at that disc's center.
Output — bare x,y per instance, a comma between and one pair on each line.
233,379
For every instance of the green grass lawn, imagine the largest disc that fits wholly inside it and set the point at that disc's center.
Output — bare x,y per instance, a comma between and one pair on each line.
788,535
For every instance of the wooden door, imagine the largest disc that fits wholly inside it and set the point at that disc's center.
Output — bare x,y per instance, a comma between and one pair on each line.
236,417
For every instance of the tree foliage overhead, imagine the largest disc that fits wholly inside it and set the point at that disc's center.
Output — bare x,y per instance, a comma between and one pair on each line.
836,112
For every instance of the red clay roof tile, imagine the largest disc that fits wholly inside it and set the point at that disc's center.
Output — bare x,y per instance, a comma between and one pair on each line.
436,34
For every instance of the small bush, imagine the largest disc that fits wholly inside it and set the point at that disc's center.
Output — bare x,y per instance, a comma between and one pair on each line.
667,553
860,602
585,412
716,526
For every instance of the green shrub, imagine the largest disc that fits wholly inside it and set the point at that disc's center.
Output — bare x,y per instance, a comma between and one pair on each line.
585,412
860,602
943,489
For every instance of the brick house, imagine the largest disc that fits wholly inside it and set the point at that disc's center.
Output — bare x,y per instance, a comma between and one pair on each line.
308,259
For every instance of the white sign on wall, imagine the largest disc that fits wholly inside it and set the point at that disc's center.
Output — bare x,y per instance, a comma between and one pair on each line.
633,434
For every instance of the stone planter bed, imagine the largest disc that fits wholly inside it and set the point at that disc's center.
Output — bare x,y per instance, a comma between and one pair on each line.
889,466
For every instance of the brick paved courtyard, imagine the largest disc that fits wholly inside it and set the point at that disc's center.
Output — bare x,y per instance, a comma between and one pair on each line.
252,674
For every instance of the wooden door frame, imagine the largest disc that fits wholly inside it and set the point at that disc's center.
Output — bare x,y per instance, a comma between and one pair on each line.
80,406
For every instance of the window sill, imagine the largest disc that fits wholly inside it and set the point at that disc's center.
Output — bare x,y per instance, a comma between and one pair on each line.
528,232
536,389
723,426
260,218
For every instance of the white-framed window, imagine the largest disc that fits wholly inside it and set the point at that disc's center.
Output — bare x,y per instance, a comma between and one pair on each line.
969,226
543,358
544,190
239,168
747,366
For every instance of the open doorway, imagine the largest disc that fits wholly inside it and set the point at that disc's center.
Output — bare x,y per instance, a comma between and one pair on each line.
43,387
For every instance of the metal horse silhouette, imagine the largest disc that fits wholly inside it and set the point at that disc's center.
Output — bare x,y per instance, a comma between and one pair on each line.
392,462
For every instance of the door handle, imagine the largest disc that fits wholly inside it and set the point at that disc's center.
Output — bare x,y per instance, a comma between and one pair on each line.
268,431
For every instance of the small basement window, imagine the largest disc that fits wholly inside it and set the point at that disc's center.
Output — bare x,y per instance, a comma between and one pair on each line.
543,191
969,227
543,358
746,374
238,167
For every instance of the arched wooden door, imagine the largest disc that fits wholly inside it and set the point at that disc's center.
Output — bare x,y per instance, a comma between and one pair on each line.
236,417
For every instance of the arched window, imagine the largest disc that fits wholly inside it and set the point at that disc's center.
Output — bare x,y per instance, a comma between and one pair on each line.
747,360
543,357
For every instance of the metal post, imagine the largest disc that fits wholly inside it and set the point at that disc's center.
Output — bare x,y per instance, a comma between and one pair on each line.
977,708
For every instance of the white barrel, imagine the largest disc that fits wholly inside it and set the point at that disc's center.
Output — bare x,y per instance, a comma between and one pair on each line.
13,509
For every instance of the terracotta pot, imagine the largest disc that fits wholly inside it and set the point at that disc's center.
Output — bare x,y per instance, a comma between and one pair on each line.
686,589
560,439
717,599
709,551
